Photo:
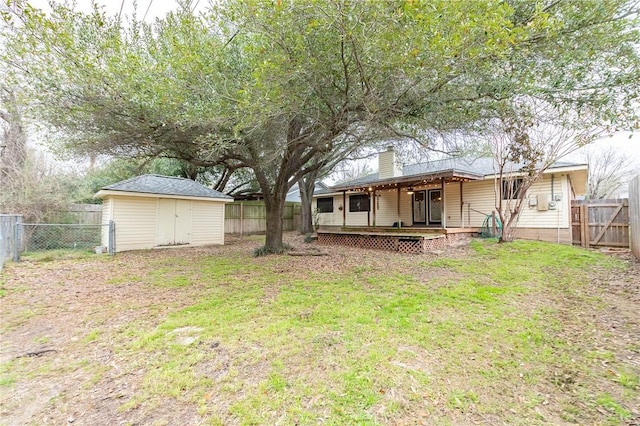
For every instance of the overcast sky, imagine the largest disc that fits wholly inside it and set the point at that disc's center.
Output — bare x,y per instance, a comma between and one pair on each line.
152,8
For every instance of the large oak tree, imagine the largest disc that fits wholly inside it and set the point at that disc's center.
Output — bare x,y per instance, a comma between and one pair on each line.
284,87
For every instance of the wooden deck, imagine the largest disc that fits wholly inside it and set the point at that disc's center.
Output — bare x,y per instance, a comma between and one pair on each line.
404,240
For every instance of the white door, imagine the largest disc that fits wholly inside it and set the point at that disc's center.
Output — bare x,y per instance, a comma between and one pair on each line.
435,206
166,222
174,222
183,222
419,207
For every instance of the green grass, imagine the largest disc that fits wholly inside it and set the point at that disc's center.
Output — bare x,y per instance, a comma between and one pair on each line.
58,254
482,336
334,346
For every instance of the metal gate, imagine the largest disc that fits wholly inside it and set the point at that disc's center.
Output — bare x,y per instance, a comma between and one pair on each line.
600,223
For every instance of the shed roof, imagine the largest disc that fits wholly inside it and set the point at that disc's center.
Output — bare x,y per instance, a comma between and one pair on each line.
165,185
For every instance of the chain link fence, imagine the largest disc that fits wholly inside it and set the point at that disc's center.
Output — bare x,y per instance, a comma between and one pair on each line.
39,237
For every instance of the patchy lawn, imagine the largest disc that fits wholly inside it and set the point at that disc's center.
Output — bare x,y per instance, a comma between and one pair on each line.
525,333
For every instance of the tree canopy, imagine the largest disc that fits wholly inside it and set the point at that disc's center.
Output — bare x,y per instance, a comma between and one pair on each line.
285,88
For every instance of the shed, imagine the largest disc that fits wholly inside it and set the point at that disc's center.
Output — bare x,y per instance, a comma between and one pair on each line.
157,211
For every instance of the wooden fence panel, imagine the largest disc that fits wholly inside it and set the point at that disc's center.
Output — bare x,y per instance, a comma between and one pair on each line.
600,223
250,217
634,216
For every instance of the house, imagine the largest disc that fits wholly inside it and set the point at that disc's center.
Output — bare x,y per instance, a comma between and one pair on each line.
440,199
293,195
156,211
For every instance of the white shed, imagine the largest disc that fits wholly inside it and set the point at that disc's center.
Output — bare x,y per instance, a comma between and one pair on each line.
155,211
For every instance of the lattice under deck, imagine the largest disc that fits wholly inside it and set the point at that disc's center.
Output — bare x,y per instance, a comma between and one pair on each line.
386,242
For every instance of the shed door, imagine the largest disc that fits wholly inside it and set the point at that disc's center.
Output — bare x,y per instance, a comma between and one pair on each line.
174,222
183,222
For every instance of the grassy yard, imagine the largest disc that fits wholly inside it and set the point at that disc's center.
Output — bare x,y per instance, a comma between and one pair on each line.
525,333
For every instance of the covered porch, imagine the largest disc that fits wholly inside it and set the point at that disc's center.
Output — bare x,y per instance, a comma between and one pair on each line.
416,212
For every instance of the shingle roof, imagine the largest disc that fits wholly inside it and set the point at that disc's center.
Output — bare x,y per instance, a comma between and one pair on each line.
166,185
480,167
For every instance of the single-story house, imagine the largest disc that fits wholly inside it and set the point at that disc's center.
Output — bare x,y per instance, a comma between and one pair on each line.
446,197
156,211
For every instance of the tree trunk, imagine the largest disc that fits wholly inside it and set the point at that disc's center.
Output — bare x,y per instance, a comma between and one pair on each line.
274,205
306,185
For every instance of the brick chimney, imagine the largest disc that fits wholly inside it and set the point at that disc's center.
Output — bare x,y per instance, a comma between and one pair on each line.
388,167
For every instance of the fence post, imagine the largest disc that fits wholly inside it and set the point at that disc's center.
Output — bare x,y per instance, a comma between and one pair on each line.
241,218
16,240
584,225
112,238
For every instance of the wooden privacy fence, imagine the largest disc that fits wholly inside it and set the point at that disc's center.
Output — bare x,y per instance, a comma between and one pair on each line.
603,223
634,215
250,217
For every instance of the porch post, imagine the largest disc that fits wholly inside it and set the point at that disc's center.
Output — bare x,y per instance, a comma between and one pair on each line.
374,207
398,210
344,208
461,206
443,209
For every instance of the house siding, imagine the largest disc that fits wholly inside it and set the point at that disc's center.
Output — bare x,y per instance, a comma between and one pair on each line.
334,218
452,205
478,197
386,208
530,217
207,223
136,220
107,215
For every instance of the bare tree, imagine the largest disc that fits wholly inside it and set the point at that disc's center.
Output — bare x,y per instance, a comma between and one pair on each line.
13,139
30,184
609,171
524,142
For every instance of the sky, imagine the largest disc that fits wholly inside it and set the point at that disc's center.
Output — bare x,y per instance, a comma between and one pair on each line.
149,9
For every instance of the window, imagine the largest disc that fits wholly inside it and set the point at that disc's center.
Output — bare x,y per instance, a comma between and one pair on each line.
359,203
511,188
325,205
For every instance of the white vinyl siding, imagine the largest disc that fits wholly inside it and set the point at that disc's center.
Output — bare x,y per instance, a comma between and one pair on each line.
480,196
386,205
107,214
135,219
530,217
452,205
207,223
334,218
